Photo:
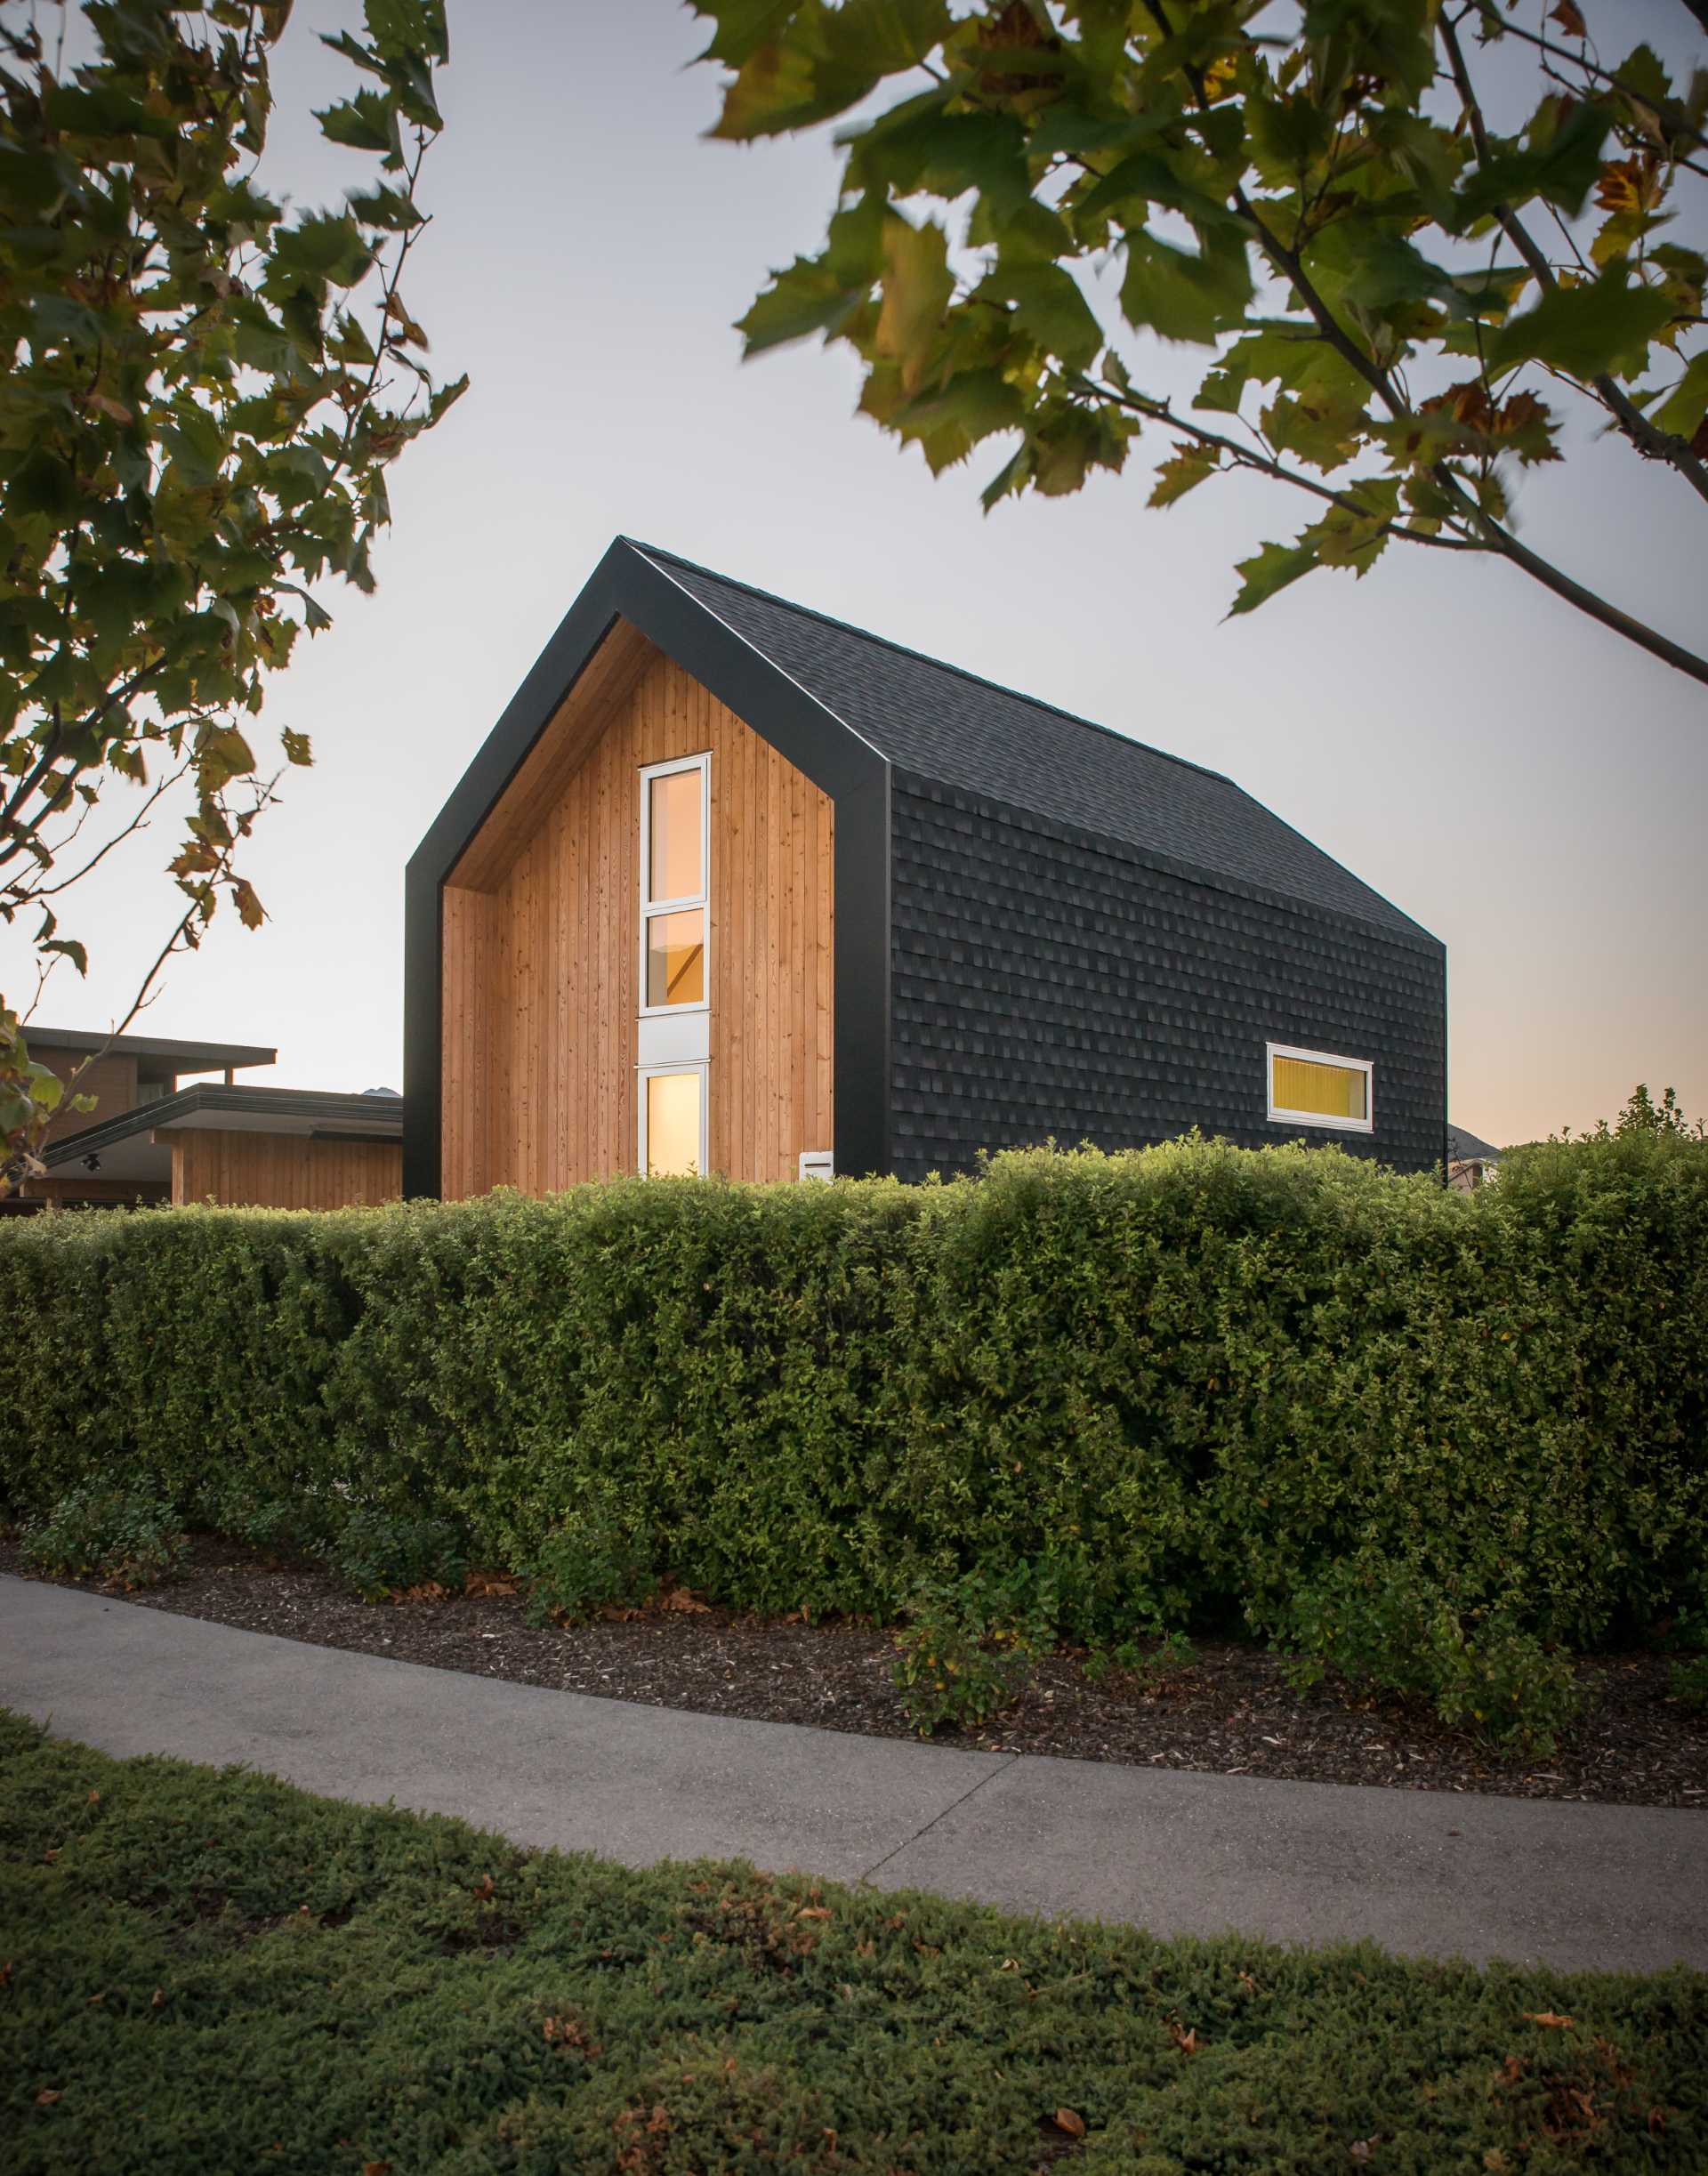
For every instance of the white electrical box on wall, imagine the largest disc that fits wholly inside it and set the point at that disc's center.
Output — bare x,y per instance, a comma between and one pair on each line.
818,1164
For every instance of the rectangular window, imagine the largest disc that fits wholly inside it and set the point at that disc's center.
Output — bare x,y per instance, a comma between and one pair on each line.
1312,1088
675,851
672,1122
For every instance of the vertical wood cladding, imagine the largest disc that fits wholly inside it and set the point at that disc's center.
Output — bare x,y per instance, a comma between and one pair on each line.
111,1081
282,1171
541,942
1048,984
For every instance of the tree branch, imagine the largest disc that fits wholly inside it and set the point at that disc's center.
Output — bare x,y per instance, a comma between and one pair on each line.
1647,438
1160,412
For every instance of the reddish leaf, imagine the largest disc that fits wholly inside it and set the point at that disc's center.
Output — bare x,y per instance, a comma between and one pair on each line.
1065,2119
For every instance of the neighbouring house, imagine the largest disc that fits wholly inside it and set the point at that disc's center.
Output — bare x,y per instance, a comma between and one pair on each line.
148,1139
734,887
1472,1163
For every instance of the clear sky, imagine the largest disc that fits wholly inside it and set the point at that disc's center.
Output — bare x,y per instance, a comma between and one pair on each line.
1529,788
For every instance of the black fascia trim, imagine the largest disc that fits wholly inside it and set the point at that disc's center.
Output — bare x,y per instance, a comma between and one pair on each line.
627,586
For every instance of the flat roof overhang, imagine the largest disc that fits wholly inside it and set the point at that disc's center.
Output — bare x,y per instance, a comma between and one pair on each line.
155,1055
137,1143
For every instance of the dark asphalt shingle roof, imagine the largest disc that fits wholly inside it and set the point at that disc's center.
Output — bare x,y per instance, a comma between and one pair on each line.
947,725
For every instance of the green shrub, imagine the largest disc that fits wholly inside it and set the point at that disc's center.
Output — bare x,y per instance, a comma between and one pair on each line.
381,1553
122,1535
587,1563
1144,1667
969,1646
1387,1627
1186,1382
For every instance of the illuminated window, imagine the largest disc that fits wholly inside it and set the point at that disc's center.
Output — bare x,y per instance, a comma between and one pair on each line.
1312,1088
672,1122
674,851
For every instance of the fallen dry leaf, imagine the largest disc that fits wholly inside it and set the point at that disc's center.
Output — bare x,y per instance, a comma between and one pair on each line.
812,1911
1548,2017
48,2095
1065,2119
1188,2042
488,1582
428,1591
484,1887
681,1598
376,2168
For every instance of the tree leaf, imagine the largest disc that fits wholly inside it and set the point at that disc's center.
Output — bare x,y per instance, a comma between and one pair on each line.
1181,473
1181,296
1270,569
916,287
1049,305
1687,402
1605,325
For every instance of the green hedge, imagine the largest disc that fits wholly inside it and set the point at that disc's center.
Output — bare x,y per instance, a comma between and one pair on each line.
1192,1381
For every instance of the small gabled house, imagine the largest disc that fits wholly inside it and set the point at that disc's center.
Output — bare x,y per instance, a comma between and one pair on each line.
734,887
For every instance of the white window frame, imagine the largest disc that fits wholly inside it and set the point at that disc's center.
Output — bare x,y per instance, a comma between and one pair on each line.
649,906
1280,1115
643,1074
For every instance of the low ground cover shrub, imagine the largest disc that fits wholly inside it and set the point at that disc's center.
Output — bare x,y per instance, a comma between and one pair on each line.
379,1553
1390,1628
970,1645
1186,1386
215,1972
590,1561
125,1536
1144,1663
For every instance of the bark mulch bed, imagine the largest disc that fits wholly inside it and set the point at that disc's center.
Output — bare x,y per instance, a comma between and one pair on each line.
1230,1712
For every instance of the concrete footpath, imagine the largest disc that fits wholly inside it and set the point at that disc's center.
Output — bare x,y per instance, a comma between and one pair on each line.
1578,1887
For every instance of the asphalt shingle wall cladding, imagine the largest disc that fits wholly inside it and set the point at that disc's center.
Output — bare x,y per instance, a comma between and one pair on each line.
1047,983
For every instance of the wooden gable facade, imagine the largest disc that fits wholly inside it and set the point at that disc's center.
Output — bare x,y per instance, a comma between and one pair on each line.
541,952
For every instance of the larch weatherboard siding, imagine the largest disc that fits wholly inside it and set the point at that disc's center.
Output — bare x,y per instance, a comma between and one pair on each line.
1050,983
282,1171
541,933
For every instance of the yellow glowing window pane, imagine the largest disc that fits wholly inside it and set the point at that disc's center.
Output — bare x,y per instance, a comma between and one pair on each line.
1325,1092
674,853
676,958
673,1125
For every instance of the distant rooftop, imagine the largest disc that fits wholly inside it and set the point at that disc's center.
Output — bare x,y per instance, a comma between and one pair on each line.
1464,1147
156,1055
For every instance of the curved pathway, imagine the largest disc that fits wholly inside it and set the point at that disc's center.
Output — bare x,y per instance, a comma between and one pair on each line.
1576,1886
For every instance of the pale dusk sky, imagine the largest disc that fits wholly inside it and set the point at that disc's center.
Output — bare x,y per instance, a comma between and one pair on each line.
1528,788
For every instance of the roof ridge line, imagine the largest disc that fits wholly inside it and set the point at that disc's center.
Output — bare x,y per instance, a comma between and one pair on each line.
942,664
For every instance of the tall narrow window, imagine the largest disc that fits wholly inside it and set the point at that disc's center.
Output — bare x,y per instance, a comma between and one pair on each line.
1312,1088
672,1122
673,885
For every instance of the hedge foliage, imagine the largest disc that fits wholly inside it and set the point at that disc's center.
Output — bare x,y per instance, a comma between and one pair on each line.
1189,1381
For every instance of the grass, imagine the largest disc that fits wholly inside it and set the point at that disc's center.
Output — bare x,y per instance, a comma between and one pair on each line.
212,1971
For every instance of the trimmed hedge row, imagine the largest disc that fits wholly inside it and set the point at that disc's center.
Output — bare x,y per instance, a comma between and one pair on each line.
1192,1381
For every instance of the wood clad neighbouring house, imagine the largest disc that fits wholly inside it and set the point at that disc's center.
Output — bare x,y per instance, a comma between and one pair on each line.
541,944
282,1171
